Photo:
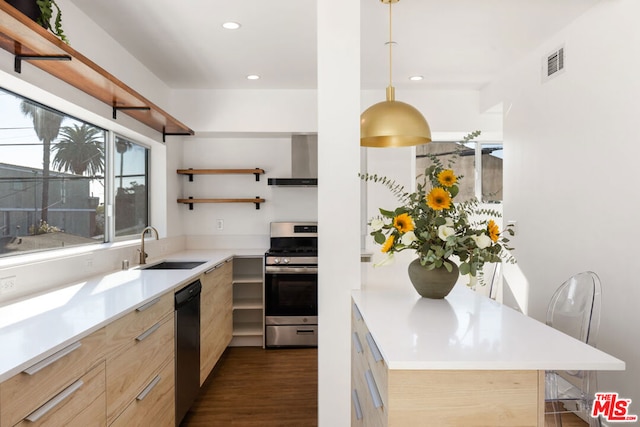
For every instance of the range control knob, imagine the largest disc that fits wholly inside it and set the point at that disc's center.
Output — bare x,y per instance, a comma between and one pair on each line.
276,260
285,260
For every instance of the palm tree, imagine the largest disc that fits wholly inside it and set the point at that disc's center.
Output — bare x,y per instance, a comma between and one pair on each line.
122,146
46,123
79,150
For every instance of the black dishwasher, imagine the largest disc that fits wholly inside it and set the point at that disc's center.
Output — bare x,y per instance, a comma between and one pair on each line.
187,347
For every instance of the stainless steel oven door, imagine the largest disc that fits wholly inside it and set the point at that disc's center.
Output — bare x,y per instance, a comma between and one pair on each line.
291,292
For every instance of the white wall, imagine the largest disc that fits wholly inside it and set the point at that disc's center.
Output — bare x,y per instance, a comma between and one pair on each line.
243,111
338,202
244,225
571,161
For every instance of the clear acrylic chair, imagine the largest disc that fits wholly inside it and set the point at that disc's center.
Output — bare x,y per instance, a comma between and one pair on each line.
575,310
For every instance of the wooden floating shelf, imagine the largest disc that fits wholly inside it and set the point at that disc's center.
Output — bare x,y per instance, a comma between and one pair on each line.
191,201
28,41
191,172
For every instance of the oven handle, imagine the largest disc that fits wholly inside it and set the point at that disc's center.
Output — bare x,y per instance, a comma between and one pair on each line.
291,270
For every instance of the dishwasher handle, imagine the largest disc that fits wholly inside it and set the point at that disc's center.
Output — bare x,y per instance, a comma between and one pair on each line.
188,293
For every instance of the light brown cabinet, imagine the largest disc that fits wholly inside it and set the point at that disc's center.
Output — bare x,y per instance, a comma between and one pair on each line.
140,344
81,404
215,316
398,397
51,389
150,407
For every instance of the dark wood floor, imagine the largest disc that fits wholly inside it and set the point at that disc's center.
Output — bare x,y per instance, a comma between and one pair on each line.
253,387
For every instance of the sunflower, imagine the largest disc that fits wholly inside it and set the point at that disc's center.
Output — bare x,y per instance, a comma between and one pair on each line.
388,244
447,178
403,223
494,231
438,199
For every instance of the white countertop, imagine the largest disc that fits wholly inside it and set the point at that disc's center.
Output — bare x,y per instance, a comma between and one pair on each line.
37,327
469,331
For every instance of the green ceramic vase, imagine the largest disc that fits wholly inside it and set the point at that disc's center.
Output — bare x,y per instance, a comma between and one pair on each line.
436,283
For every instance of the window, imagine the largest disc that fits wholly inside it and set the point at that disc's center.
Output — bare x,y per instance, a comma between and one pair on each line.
479,163
52,180
131,187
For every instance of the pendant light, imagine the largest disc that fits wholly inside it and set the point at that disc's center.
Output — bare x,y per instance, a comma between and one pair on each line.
393,123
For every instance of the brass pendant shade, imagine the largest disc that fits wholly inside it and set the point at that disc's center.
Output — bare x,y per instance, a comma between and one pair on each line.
393,123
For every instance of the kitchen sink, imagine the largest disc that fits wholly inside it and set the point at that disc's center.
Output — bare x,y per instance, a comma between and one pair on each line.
173,265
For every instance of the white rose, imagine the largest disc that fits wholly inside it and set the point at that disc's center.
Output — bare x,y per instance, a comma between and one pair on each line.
408,237
377,224
445,231
386,261
482,241
449,222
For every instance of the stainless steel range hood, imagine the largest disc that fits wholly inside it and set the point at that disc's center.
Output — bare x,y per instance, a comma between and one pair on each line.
304,163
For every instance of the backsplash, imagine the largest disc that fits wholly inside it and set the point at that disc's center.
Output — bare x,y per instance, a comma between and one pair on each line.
33,274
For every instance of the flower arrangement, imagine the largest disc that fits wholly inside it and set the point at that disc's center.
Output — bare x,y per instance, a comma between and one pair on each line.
432,224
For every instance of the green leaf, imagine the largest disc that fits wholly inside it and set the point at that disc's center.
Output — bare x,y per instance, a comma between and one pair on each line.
453,190
386,213
379,238
465,268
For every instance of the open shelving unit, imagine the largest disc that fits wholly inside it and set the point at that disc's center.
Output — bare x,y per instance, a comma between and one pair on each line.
248,301
191,172
28,41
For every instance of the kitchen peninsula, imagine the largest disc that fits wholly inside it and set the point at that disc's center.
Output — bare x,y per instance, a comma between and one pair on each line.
463,360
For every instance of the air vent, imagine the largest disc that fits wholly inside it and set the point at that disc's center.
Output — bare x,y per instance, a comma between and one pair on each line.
553,64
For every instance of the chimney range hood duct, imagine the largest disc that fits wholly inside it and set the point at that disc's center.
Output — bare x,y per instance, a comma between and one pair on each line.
304,163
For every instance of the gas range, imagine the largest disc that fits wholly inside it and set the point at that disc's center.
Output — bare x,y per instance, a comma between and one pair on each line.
291,285
293,243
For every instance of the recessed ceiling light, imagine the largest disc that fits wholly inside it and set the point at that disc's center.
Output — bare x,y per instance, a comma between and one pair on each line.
253,77
231,25
415,78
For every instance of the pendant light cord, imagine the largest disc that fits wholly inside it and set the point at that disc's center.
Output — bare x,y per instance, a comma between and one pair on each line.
390,49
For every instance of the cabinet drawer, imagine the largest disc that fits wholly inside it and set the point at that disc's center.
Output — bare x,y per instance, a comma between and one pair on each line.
28,390
372,354
365,389
136,364
80,404
154,405
124,330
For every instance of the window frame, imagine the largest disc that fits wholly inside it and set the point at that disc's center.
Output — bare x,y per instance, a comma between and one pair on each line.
478,146
109,237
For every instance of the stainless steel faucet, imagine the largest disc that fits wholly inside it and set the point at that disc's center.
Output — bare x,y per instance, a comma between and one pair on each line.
143,254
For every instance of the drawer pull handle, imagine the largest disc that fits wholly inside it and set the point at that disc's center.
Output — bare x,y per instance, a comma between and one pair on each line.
55,401
148,332
53,358
215,267
357,343
148,305
148,388
377,356
356,312
373,389
356,404
305,332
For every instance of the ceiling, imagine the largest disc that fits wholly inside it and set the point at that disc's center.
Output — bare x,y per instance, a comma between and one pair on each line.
452,43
